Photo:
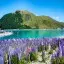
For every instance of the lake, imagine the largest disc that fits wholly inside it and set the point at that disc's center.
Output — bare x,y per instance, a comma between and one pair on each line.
34,33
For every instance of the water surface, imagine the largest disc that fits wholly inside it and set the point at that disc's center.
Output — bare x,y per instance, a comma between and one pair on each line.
35,33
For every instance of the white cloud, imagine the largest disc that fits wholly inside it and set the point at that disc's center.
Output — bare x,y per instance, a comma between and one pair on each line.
57,17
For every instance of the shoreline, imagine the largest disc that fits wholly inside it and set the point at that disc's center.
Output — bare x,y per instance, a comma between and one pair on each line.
5,34
33,29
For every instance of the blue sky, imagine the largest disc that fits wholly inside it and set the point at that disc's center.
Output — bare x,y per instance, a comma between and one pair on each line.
52,8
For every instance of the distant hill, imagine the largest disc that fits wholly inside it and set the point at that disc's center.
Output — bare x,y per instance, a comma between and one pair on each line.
28,20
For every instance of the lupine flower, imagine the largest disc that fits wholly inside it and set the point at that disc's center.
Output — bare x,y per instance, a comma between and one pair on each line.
20,46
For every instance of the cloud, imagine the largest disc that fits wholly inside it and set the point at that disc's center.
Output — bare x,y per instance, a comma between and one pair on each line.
57,17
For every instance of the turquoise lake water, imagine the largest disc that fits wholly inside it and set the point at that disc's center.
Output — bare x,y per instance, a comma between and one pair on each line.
34,33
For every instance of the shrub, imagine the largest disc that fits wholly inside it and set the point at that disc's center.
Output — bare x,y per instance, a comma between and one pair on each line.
33,56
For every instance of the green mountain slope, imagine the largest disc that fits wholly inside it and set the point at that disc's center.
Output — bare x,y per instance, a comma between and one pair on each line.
27,20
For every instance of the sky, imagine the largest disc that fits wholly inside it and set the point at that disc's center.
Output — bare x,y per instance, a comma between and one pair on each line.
52,8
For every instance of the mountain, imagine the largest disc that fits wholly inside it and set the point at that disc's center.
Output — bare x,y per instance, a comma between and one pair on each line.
28,20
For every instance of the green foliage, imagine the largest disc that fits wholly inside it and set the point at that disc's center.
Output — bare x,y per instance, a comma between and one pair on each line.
33,56
14,59
51,51
46,47
11,21
43,56
27,20
23,61
58,60
54,46
25,27
40,48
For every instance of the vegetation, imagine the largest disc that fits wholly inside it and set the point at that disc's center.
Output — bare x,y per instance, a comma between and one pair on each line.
33,56
14,59
23,61
54,46
51,51
46,47
41,48
27,20
58,60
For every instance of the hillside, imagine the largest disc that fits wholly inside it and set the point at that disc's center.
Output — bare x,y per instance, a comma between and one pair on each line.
27,20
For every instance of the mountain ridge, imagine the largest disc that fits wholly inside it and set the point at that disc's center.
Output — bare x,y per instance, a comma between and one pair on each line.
27,20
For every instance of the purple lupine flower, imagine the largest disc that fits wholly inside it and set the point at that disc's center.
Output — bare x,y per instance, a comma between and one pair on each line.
11,50
60,51
22,44
33,49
